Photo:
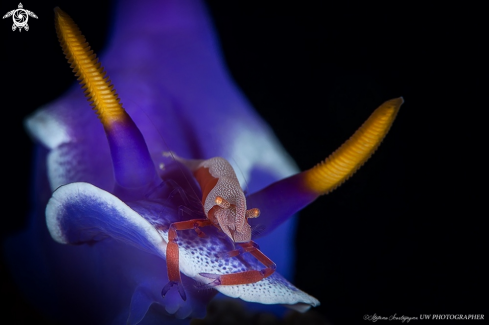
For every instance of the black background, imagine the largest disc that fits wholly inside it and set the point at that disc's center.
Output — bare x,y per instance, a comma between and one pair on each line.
404,235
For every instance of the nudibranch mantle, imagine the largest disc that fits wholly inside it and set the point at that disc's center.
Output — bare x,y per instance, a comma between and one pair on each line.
86,217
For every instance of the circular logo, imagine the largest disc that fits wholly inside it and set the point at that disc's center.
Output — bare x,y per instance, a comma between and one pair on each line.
20,18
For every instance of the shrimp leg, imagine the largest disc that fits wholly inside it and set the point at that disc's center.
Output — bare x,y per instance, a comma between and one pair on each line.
172,253
245,277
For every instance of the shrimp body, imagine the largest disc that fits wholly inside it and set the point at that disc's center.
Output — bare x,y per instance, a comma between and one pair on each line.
223,199
224,205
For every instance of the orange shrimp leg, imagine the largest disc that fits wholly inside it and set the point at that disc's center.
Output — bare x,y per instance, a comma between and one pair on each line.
172,254
245,277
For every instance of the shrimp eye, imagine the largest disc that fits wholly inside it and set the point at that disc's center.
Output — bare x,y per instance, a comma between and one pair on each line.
222,202
253,213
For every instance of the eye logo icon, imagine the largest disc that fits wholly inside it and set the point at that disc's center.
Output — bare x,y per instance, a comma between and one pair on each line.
20,17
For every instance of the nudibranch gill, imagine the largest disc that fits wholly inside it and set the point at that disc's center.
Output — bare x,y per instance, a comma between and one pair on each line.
151,220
